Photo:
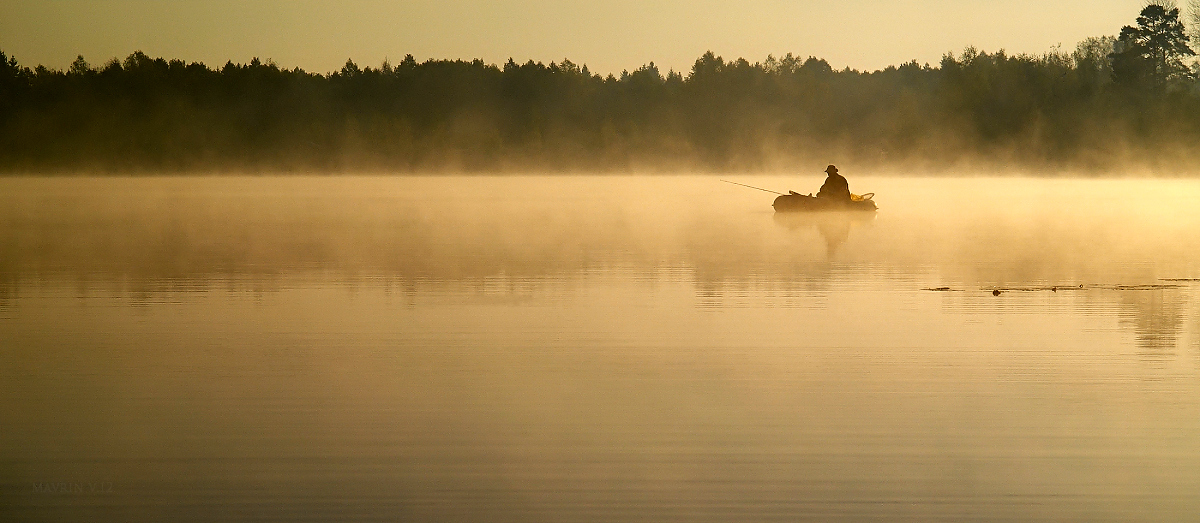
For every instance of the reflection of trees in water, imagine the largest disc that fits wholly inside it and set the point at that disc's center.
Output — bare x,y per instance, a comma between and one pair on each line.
1191,320
1185,353
153,247
1156,318
1164,322
808,286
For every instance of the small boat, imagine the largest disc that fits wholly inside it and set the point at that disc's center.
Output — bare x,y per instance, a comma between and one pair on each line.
802,203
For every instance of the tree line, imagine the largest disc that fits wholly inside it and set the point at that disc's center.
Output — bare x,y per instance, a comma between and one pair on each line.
1112,102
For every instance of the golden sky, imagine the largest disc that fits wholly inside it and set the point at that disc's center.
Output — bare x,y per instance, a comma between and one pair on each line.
608,36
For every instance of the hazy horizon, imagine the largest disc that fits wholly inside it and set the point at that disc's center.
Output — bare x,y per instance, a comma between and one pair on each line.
320,36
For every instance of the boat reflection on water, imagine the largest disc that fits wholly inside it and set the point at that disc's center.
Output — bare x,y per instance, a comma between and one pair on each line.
834,226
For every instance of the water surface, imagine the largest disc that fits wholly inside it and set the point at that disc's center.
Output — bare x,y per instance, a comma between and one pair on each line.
607,348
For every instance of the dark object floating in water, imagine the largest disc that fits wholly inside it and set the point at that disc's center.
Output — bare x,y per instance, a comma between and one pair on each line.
1055,288
1051,288
1136,287
803,203
996,291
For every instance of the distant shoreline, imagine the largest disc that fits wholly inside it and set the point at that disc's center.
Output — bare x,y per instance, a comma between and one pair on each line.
976,112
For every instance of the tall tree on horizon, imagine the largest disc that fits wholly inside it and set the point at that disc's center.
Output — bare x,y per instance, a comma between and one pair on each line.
1151,54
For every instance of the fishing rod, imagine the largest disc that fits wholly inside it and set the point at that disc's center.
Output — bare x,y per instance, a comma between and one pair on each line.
752,187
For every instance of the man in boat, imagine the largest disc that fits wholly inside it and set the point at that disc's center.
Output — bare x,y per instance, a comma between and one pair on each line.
836,187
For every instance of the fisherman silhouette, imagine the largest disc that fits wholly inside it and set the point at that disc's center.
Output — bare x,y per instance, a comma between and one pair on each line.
836,187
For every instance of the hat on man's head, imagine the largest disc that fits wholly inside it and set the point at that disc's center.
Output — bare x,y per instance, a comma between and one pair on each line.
831,168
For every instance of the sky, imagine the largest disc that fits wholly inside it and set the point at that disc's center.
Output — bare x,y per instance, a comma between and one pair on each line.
608,36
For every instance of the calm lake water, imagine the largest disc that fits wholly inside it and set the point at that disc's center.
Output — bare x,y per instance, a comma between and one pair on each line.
608,349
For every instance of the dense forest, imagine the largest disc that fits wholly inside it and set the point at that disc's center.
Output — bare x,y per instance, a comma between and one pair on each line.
1112,103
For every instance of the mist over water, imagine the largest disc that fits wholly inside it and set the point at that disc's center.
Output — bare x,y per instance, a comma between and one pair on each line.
598,348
